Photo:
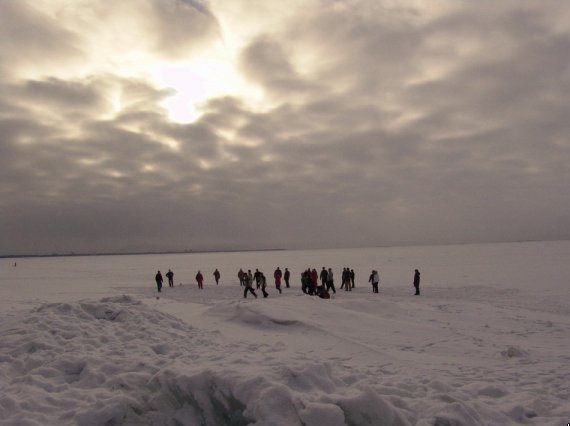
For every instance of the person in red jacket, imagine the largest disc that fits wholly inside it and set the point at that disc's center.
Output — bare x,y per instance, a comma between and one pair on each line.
200,279
277,275
314,279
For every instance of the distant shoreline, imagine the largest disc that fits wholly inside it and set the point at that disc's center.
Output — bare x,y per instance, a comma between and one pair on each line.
23,256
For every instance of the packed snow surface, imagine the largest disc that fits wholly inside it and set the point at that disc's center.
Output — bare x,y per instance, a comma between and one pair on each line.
86,341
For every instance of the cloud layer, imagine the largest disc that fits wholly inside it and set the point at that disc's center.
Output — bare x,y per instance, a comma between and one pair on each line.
381,123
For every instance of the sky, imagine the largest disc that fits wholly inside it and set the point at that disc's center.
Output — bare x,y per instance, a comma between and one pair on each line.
149,125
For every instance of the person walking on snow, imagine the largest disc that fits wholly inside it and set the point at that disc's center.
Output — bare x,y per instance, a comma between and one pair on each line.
277,275
159,280
248,287
241,275
170,276
352,277
249,276
263,284
374,279
286,277
256,276
417,282
217,276
200,280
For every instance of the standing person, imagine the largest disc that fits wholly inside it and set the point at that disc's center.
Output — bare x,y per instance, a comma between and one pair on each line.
374,279
417,282
323,275
330,281
248,287
346,279
217,276
249,276
304,282
200,280
170,276
263,284
352,277
314,280
158,278
342,278
241,275
277,275
256,277
286,277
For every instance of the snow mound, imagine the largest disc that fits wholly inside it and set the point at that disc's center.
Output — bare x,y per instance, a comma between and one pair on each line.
119,362
256,316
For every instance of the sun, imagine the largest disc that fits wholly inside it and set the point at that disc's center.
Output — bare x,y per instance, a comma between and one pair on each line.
205,76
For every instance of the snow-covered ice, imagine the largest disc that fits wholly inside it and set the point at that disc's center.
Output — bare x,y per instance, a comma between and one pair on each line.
85,341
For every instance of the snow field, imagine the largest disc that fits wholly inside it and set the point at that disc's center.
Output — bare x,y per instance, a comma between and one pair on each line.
464,353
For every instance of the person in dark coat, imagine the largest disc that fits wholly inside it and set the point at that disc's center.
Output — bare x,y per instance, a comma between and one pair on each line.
159,280
374,279
305,282
286,277
241,276
323,276
417,282
330,281
217,276
352,277
170,276
256,277
200,280
263,284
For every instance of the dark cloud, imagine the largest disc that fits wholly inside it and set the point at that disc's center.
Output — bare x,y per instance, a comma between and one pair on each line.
404,127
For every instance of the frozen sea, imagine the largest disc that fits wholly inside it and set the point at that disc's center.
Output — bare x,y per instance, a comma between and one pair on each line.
85,341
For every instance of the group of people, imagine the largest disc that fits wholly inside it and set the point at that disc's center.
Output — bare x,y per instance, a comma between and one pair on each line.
309,281
170,275
246,280
159,279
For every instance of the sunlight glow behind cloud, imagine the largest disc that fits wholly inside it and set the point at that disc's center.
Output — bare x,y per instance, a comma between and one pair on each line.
197,80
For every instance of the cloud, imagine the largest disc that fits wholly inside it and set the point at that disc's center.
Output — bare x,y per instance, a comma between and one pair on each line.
382,124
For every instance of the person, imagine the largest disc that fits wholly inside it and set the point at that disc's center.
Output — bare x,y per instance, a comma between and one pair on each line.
170,276
250,276
314,280
217,276
417,282
330,281
304,282
352,277
286,276
323,293
256,277
159,280
346,280
342,278
277,275
263,284
374,279
241,275
248,287
200,280
323,276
